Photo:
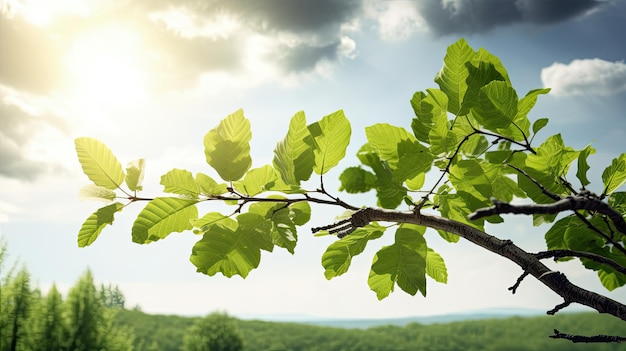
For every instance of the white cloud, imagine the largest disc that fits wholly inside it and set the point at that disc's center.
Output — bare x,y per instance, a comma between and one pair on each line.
585,77
395,20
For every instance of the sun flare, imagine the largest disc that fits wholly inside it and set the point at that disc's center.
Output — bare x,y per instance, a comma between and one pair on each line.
105,67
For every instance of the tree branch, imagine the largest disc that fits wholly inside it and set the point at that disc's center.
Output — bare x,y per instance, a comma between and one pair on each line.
587,339
505,248
574,202
570,253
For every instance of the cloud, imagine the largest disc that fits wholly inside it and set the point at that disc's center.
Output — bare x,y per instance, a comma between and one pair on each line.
585,77
396,20
180,41
20,126
445,17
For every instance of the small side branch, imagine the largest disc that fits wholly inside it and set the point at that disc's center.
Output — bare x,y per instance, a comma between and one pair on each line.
513,289
587,339
569,253
573,203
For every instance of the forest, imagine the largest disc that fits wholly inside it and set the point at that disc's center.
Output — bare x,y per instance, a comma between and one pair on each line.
95,317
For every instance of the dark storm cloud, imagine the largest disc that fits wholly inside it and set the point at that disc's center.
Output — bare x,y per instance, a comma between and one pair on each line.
477,16
303,57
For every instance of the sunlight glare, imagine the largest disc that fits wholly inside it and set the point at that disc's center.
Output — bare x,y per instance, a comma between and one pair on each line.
105,66
41,12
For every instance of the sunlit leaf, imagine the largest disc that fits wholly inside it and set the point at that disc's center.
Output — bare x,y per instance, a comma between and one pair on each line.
403,263
181,182
95,192
208,186
496,106
293,156
614,175
257,180
338,256
99,163
332,136
205,223
233,250
452,78
162,216
134,174
436,267
227,147
91,228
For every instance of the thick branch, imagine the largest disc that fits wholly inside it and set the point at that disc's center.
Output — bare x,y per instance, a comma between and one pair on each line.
557,282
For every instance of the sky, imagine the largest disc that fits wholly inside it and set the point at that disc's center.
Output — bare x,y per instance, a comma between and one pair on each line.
150,78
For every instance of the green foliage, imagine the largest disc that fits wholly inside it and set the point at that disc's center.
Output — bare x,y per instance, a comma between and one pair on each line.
471,139
215,332
528,333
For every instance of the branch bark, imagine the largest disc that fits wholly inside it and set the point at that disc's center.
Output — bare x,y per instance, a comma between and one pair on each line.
555,281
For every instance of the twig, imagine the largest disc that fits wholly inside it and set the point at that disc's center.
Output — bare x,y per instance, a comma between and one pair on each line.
559,307
570,253
513,288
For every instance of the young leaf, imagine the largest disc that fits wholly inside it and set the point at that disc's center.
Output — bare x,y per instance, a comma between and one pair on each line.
95,192
496,106
436,267
227,147
293,156
452,78
583,166
338,256
91,228
539,124
233,250
332,136
163,216
403,263
181,182
614,175
99,163
257,180
210,219
208,186
134,174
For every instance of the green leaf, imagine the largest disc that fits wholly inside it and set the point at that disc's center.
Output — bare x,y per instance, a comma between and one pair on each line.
208,186
283,226
181,182
331,136
300,212
583,166
338,256
227,147
356,180
519,129
481,73
614,175
384,139
95,192
257,180
91,228
496,106
389,191
539,124
210,219
403,263
294,157
162,216
134,174
452,78
99,163
233,249
436,267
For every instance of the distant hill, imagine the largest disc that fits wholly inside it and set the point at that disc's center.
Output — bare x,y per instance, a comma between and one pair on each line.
481,330
494,313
